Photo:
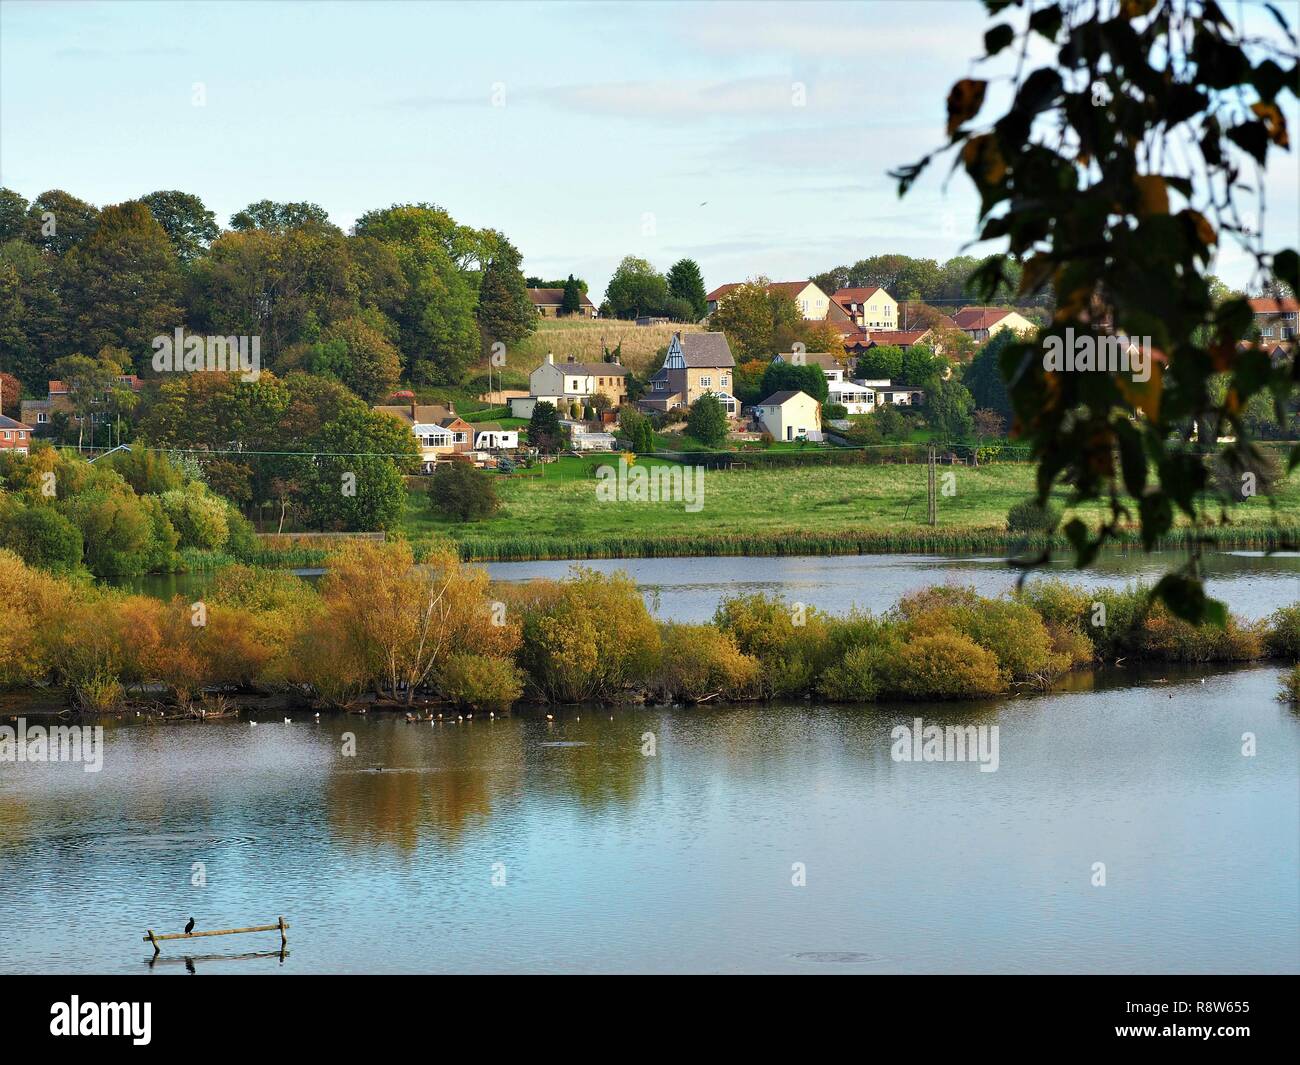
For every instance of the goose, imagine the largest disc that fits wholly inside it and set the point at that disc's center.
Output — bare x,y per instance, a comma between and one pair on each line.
549,717
252,724
288,720
491,715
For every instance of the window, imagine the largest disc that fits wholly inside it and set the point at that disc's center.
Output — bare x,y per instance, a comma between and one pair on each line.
41,418
659,386
724,380
706,382
459,438
8,435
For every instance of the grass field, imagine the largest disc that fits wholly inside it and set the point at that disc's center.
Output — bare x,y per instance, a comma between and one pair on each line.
554,513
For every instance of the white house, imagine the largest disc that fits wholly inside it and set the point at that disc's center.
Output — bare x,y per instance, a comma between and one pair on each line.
582,438
790,416
578,380
855,398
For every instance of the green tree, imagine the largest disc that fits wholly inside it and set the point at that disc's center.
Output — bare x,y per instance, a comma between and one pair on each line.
572,301
948,407
757,319
636,288
58,221
462,492
353,480
882,362
707,421
544,429
356,353
505,313
42,537
121,285
13,215
788,377
983,377
279,217
1080,161
189,225
686,282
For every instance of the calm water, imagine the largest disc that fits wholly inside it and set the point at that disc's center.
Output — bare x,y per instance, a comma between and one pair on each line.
615,861
606,859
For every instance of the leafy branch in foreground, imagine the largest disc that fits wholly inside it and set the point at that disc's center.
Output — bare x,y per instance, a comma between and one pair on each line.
1121,165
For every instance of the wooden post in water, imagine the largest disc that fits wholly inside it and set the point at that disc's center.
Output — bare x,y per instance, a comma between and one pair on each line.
280,926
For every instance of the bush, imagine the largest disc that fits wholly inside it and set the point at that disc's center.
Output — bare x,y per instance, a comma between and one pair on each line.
1028,516
1291,685
42,537
700,662
789,640
462,492
476,682
707,421
944,665
1283,638
856,678
200,520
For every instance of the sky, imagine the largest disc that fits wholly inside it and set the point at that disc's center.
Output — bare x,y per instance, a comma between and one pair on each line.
752,137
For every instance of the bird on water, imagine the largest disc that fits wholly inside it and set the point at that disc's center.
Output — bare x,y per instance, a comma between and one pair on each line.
189,927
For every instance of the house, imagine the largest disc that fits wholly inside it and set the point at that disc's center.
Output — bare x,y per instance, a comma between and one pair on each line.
14,435
832,367
548,302
695,364
885,392
39,412
572,380
812,302
789,416
980,323
489,436
439,431
1275,319
898,338
855,398
583,438
869,308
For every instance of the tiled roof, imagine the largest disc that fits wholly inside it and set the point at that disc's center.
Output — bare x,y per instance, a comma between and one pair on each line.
791,288
901,337
7,422
553,297
593,369
777,398
979,317
705,349
1272,306
856,295
428,414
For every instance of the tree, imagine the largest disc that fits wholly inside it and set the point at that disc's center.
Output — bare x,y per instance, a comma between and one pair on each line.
948,406
790,377
279,217
1083,159
189,225
920,365
11,392
505,313
353,479
359,355
983,377
544,429
92,384
707,421
686,282
989,424
572,301
757,319
121,284
636,288
881,362
462,492
57,221
42,537
13,215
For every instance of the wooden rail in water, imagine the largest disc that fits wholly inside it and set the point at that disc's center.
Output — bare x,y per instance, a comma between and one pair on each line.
281,926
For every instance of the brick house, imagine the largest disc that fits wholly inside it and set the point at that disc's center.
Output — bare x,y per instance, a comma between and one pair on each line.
14,435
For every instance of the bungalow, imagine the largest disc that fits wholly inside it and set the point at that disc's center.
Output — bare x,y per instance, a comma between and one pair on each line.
548,302
1275,319
489,436
980,323
899,338
14,435
583,438
898,395
40,412
812,302
439,431
832,367
855,398
789,416
695,364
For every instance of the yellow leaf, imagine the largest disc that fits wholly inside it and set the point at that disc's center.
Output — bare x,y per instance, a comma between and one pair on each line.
1144,395
1274,123
1204,231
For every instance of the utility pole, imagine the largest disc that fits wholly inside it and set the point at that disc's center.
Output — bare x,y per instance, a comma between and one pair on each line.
932,494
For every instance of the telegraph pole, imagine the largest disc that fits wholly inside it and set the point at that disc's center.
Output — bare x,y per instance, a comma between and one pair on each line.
932,494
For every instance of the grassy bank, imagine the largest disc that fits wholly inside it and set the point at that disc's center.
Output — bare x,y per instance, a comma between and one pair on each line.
554,513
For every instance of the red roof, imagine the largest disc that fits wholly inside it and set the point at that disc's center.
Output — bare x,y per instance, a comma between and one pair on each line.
903,338
1272,306
791,288
855,295
969,318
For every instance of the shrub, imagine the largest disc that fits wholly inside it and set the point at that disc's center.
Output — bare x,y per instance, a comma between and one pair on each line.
477,682
699,662
462,492
1167,637
707,421
943,665
1029,516
199,519
1291,685
1283,638
856,678
790,654
42,537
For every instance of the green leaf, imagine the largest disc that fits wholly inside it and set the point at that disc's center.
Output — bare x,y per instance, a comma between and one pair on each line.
1286,267
1186,599
998,38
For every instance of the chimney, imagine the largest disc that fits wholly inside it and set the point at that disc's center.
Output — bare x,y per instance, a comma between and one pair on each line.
572,359
550,357
414,419
616,358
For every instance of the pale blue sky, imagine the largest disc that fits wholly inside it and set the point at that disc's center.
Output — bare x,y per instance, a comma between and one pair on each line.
656,129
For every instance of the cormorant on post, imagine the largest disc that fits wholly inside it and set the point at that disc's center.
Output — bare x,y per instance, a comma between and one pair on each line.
189,927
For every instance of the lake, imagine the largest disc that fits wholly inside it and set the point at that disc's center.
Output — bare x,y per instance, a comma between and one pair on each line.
521,844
